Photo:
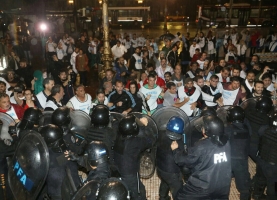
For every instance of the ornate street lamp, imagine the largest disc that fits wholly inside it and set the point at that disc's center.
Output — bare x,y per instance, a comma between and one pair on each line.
107,55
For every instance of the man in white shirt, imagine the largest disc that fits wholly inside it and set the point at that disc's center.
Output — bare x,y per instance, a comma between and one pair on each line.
55,99
81,101
202,60
224,75
51,47
134,41
152,92
163,68
141,41
41,97
73,59
118,50
193,47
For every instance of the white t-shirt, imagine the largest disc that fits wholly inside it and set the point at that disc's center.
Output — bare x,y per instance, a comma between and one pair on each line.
78,105
155,92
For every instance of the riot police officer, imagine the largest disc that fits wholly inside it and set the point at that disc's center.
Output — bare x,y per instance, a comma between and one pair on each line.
239,136
258,121
100,131
210,162
128,148
113,188
74,139
168,171
196,133
95,160
53,137
267,163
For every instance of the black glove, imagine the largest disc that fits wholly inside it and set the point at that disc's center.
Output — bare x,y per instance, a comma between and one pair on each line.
216,97
73,156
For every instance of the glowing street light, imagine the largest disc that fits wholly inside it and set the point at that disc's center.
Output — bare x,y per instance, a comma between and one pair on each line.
43,27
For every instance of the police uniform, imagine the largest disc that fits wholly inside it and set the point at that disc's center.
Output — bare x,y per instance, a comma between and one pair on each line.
104,134
258,122
240,141
211,171
168,171
267,165
127,159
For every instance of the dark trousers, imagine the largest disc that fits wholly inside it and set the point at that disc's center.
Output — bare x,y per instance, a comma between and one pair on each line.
242,177
83,77
135,186
266,176
254,142
169,182
190,192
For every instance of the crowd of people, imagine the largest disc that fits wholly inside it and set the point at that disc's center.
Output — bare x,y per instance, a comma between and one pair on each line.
186,73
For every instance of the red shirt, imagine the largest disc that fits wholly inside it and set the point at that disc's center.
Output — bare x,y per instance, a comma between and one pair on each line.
18,110
195,57
128,85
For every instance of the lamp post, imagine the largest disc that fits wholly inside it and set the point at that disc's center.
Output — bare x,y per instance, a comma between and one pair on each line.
165,15
73,2
107,55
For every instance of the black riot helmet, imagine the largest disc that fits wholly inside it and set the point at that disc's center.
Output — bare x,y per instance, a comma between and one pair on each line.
100,116
97,153
264,105
235,114
273,119
207,111
214,129
53,137
61,116
113,188
128,126
30,118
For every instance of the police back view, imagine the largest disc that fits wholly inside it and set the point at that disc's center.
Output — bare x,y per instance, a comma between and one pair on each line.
259,121
267,163
53,137
210,163
128,148
75,142
100,131
240,141
168,171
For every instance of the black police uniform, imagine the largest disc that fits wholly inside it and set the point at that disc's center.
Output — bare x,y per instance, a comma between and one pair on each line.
127,159
105,134
57,172
266,172
211,171
168,171
258,123
240,141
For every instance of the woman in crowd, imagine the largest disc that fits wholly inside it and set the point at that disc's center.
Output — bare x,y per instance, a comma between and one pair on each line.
27,101
37,82
82,67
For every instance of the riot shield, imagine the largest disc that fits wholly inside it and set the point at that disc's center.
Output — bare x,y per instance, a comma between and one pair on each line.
87,191
249,103
5,121
195,129
80,123
222,113
115,119
162,116
29,166
79,120
46,118
148,157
